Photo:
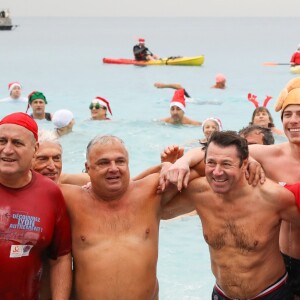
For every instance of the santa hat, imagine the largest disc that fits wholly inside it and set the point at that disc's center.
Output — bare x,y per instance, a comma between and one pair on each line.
62,118
289,95
178,99
23,120
12,85
220,78
141,40
218,121
103,102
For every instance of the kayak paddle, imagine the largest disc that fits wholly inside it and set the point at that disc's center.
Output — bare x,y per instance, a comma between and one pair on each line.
273,64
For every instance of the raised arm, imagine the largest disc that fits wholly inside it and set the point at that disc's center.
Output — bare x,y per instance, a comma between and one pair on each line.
161,85
179,172
171,153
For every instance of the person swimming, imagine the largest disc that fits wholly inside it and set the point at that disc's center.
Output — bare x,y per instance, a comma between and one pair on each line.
261,116
210,125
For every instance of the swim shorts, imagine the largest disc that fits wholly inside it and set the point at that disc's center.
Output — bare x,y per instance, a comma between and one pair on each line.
280,290
293,268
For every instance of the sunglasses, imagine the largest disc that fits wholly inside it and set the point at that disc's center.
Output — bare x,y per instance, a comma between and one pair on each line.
96,106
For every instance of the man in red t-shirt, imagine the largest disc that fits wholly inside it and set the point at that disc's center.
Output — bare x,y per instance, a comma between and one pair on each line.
33,218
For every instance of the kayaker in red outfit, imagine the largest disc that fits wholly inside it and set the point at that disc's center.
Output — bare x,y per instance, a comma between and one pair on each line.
142,53
295,60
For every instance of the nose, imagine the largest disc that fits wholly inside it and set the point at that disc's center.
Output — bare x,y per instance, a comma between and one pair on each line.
295,118
113,166
51,164
217,170
8,148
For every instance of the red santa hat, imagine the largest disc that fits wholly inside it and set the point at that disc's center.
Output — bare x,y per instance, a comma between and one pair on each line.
216,120
178,99
12,85
23,120
103,102
141,40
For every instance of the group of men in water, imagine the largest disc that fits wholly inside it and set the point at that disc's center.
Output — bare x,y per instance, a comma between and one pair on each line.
114,220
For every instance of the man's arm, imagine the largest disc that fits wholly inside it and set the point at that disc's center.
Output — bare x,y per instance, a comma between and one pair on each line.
179,172
76,179
175,86
171,153
151,170
61,277
176,203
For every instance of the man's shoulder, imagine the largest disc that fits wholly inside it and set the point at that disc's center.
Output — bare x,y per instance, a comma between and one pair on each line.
166,120
199,184
271,189
72,188
188,121
270,150
151,179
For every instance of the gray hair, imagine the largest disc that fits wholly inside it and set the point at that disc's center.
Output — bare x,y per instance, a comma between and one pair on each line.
103,140
48,136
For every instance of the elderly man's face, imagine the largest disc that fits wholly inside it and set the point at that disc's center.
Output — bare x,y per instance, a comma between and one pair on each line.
48,160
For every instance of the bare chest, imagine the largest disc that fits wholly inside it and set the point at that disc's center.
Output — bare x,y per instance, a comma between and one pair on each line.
109,224
243,231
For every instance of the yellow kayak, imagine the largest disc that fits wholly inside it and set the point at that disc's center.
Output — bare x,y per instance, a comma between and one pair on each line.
174,61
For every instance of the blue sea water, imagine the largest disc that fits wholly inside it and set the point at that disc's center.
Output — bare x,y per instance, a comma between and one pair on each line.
62,57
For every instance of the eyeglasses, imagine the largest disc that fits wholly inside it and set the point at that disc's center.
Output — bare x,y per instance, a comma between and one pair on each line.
96,106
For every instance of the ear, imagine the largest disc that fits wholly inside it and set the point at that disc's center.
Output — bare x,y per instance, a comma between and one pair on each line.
86,167
244,166
36,147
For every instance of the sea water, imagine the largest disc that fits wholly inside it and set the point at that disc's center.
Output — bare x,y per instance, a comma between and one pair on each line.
62,57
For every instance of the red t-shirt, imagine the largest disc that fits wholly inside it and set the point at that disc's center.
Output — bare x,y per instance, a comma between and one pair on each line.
296,58
295,189
33,222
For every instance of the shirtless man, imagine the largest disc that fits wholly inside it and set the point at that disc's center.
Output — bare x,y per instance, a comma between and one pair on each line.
115,227
281,163
241,223
177,110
